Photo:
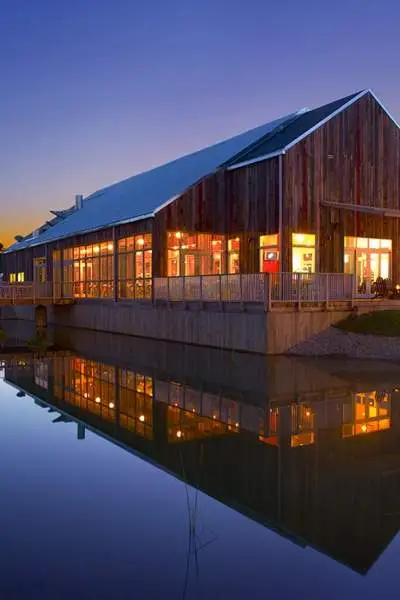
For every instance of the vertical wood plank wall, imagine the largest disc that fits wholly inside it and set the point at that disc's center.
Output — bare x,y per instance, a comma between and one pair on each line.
353,159
243,203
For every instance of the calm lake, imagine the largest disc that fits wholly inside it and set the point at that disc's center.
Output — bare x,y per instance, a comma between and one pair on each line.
133,469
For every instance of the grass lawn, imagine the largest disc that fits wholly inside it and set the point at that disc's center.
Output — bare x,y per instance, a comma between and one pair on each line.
380,322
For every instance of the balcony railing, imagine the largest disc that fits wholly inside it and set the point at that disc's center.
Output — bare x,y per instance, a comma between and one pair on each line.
29,293
263,288
266,289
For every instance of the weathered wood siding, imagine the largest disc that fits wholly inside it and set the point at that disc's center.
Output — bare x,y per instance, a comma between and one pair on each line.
242,202
352,159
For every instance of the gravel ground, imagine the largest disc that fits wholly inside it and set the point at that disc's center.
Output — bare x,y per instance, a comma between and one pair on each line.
334,342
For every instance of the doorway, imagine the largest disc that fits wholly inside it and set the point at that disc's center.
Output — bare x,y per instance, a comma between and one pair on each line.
40,277
368,259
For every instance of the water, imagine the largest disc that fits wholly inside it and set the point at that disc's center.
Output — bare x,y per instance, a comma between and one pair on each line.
135,469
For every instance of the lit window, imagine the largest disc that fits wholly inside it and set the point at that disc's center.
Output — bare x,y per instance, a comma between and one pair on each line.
135,267
21,277
91,273
303,252
268,240
303,239
192,254
13,277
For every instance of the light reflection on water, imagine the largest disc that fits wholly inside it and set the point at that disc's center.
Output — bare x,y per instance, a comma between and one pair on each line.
280,485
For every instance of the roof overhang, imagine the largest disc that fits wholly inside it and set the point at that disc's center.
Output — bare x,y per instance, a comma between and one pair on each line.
82,232
253,161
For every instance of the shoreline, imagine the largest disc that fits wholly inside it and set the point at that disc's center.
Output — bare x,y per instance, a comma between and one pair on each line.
339,344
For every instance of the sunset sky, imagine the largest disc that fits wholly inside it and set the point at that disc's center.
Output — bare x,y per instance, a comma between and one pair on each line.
93,91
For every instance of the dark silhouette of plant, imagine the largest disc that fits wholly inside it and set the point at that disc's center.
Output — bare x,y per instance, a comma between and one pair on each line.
3,338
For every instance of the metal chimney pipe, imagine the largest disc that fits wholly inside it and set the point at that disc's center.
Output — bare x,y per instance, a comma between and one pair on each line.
78,201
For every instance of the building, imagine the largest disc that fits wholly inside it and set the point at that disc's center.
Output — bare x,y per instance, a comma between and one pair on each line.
315,191
320,468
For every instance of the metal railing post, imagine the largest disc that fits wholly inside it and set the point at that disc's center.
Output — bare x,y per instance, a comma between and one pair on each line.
327,290
298,291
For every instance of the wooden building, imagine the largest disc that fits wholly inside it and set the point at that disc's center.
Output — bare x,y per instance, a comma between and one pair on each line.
315,191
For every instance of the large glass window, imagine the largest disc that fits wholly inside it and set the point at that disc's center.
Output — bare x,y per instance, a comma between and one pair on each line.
367,258
135,267
202,254
67,273
303,253
91,269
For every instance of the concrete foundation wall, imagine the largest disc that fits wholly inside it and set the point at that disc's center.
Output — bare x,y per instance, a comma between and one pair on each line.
287,329
256,332
228,330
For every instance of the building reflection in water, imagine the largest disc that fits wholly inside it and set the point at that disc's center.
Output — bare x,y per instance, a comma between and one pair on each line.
322,469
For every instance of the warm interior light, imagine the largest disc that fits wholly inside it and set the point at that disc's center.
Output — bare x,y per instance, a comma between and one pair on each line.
97,400
237,239
85,395
397,286
194,410
179,433
178,234
364,428
141,418
96,249
140,241
237,424
110,246
308,413
111,405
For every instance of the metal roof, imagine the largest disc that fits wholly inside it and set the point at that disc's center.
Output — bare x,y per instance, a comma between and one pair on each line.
141,195
293,130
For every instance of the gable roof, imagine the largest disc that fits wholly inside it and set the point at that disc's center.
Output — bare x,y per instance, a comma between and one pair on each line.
139,196
142,195
293,130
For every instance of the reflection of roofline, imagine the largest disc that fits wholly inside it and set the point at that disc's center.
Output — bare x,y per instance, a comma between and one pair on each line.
271,524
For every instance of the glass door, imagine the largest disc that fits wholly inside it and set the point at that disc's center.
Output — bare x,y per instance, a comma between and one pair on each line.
40,276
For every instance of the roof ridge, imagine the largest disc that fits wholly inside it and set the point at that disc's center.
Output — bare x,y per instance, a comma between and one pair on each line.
280,127
269,136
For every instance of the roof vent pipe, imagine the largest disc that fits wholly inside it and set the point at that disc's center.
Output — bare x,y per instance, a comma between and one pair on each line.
78,201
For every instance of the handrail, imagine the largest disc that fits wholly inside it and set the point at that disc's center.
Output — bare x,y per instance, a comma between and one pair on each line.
29,292
265,288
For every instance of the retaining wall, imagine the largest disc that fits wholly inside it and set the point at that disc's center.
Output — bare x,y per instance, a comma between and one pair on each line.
248,331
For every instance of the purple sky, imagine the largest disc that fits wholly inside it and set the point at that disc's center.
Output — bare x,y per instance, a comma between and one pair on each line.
93,91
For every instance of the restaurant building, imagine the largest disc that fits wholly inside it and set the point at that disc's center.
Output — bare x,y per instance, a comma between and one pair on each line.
316,191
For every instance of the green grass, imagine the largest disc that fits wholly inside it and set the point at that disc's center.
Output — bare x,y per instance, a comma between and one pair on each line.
381,322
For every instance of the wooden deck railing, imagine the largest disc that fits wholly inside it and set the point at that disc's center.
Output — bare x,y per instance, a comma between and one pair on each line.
265,288
30,293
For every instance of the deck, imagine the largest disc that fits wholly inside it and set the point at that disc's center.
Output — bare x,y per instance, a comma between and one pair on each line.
31,293
238,292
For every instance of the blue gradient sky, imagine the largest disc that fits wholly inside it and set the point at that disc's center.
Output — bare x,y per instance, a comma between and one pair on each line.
93,91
